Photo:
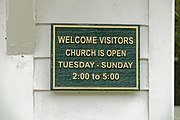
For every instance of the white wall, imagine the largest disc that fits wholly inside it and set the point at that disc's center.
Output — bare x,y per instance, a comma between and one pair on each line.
16,79
161,59
24,79
88,105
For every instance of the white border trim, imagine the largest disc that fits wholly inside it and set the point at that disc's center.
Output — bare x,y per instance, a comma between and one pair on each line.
161,60
96,88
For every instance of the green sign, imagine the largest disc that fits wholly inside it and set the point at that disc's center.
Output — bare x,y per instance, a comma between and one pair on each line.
95,57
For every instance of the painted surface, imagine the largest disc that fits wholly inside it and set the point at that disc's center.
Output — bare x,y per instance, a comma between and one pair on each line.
16,79
31,73
93,11
85,105
20,27
91,105
95,57
161,60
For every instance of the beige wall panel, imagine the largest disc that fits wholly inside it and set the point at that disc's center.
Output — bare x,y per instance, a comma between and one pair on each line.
91,105
92,11
20,27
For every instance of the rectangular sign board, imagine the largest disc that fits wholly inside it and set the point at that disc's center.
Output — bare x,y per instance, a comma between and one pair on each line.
95,57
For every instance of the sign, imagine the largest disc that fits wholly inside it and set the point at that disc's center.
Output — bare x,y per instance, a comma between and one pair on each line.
95,57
